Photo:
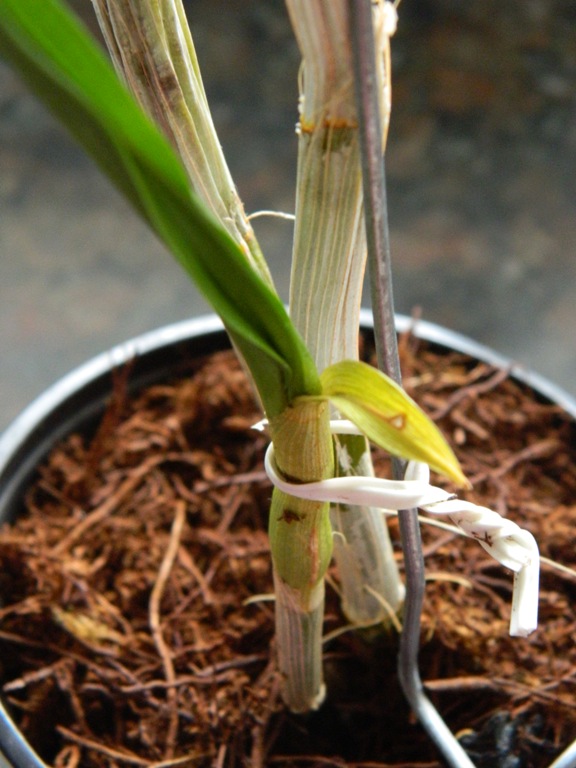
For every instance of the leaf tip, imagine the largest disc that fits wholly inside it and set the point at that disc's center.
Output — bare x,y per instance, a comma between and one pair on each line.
459,478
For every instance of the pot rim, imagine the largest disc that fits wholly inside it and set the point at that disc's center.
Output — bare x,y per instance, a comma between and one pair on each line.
17,440
36,412
20,428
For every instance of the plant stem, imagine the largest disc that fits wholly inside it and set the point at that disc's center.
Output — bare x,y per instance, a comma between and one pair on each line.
368,571
153,51
301,546
299,645
329,258
378,239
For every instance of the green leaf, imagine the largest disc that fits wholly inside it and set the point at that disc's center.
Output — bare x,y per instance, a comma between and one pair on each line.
388,416
71,75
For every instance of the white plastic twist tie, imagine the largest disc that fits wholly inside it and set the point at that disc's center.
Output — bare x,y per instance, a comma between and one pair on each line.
514,547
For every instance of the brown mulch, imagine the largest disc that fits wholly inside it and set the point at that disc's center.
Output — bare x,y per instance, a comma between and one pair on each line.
135,624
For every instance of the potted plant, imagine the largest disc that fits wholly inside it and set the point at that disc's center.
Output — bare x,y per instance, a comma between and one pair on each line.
296,370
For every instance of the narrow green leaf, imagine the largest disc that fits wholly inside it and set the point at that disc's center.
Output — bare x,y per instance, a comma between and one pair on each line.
388,416
70,74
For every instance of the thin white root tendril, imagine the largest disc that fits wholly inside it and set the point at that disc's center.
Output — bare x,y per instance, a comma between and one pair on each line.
272,214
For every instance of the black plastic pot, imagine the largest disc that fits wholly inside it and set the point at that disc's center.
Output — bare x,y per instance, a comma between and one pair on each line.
76,402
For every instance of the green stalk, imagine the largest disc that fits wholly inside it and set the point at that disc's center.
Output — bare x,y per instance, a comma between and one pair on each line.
329,259
301,546
152,49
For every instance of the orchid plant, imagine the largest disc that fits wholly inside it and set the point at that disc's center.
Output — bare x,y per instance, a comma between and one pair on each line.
148,125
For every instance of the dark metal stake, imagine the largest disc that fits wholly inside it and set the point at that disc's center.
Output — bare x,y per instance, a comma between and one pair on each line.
378,242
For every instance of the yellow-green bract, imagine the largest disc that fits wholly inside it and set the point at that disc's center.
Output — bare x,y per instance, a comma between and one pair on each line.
388,416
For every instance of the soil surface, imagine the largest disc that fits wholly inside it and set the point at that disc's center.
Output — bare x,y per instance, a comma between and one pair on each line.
136,625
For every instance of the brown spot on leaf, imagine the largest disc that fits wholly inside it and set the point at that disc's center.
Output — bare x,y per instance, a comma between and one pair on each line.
398,421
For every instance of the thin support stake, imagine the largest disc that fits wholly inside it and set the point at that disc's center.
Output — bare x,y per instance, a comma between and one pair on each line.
378,243
373,179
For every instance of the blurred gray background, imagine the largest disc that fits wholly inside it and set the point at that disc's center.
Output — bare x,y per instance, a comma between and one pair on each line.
481,184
